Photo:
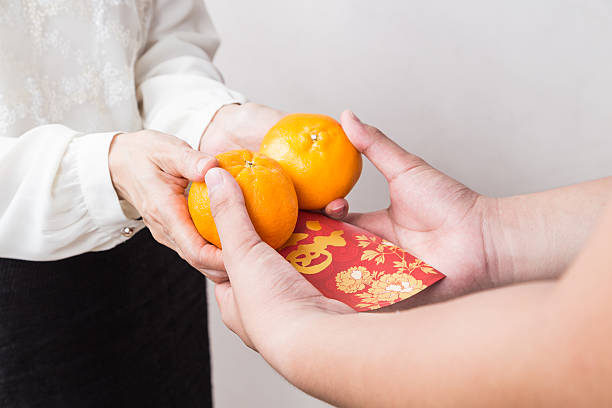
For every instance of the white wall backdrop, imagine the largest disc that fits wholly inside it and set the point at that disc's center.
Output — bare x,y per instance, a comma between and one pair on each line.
506,96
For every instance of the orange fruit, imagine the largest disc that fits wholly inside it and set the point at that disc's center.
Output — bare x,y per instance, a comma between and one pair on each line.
315,152
268,194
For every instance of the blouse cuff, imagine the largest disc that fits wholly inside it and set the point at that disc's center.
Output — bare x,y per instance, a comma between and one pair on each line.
103,205
198,116
184,105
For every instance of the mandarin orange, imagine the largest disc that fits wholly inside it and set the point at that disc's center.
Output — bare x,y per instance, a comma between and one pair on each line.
269,197
314,150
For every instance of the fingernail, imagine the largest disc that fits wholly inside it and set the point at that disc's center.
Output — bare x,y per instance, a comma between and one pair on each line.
339,212
337,208
202,163
214,179
354,116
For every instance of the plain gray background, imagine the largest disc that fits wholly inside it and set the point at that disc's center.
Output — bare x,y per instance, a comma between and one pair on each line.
508,97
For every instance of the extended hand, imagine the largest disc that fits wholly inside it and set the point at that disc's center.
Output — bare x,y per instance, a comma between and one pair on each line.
431,215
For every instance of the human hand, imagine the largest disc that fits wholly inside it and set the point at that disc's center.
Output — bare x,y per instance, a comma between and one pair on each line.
151,170
431,215
243,127
266,301
238,127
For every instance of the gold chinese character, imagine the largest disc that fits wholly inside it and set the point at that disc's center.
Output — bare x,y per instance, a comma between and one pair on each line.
304,254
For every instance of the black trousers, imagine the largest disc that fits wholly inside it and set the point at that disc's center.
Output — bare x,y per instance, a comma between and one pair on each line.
121,328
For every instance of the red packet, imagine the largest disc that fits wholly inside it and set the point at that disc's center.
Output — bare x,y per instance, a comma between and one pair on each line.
354,266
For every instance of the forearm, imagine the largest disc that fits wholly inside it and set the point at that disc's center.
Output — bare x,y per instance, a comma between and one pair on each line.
544,343
179,88
469,352
535,236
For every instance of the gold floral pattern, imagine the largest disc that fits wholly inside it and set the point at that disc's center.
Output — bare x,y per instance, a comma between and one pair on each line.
364,271
382,289
353,279
390,289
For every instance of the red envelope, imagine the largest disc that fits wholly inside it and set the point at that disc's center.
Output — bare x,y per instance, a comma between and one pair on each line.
354,266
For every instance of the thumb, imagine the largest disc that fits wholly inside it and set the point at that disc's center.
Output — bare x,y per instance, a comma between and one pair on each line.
236,232
388,157
256,271
182,161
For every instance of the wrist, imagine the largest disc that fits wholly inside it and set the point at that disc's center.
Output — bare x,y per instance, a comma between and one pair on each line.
498,259
115,165
220,121
289,349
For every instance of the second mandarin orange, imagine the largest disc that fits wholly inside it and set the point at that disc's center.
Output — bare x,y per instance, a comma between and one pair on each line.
314,150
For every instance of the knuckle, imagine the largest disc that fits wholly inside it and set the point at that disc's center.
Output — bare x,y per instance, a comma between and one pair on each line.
185,152
413,165
373,144
196,262
223,204
374,131
254,250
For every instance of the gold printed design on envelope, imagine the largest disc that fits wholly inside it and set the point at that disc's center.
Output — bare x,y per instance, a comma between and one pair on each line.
313,225
383,288
294,239
353,279
391,288
382,249
305,254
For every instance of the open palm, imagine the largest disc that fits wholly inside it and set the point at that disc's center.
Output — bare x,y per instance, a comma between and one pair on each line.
431,215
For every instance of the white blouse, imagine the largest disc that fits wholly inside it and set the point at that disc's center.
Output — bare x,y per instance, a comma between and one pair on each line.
73,73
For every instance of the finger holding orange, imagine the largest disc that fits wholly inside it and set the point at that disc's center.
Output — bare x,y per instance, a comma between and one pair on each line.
317,155
269,196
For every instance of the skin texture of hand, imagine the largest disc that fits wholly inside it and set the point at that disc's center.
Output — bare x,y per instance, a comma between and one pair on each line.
151,170
431,215
266,294
243,127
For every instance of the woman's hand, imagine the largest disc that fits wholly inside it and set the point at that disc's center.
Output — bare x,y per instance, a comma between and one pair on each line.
151,170
243,127
239,127
266,300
